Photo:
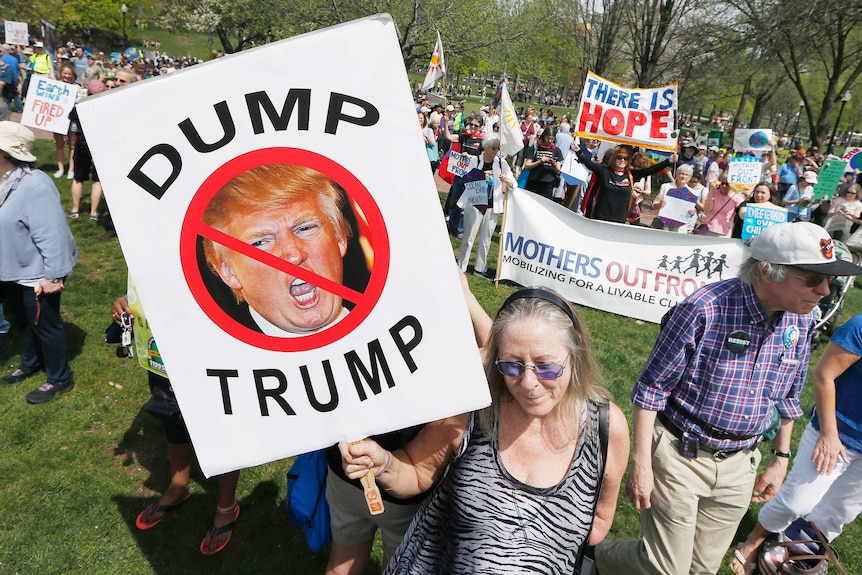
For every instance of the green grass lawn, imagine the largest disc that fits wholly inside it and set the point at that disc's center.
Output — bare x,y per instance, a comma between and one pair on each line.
77,471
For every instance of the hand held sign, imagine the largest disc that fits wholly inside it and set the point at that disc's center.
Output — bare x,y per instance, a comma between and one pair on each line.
294,261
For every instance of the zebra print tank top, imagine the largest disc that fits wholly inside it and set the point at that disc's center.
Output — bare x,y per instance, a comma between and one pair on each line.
480,519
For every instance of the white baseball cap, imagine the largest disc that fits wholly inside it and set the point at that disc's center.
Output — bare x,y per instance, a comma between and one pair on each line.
802,245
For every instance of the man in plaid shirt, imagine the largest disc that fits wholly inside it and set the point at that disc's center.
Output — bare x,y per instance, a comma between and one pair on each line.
725,358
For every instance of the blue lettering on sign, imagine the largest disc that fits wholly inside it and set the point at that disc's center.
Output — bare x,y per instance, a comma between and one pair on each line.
560,258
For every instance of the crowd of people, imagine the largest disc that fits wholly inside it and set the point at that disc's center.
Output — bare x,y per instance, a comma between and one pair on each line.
530,482
620,184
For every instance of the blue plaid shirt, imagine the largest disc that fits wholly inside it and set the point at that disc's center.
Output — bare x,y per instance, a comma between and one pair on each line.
692,376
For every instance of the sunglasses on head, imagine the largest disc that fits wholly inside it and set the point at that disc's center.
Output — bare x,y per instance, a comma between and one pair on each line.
542,370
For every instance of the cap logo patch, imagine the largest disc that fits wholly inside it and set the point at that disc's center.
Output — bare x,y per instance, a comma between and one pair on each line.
826,248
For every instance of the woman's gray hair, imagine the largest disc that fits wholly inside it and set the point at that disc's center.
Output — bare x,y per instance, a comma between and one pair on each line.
586,382
752,271
685,168
490,141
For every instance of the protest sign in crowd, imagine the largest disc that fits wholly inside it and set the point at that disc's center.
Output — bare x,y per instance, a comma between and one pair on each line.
295,263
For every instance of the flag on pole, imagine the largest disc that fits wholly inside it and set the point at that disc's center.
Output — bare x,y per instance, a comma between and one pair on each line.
437,67
511,136
49,43
498,93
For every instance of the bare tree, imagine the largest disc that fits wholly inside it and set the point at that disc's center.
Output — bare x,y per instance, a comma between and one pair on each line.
661,33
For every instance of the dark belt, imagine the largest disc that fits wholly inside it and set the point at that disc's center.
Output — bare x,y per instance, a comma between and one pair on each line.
677,432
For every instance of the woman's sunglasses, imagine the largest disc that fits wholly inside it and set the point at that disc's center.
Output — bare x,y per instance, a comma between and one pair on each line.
543,370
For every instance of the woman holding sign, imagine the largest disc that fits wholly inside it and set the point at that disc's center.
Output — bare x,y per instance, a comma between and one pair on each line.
545,162
799,198
762,194
719,209
844,211
613,184
482,219
527,484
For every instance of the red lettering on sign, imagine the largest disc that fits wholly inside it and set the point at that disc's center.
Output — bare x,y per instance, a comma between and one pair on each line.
658,125
613,122
591,113
635,119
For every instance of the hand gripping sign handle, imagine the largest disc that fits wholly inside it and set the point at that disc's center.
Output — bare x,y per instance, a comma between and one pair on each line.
372,493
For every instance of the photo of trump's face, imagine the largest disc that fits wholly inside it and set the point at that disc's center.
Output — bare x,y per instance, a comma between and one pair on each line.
295,214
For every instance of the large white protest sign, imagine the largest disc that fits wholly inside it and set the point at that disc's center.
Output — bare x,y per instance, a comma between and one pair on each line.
48,104
267,192
628,270
640,116
757,142
744,173
16,33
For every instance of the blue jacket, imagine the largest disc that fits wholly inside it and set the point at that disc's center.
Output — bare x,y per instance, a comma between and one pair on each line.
35,239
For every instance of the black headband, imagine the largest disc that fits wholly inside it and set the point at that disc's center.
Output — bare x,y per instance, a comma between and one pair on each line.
528,293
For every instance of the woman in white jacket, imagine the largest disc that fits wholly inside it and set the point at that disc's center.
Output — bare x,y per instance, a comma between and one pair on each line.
482,219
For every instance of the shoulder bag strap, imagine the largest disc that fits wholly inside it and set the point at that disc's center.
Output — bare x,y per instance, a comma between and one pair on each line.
604,432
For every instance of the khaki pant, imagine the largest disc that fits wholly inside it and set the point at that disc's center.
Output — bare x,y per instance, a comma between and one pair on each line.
696,506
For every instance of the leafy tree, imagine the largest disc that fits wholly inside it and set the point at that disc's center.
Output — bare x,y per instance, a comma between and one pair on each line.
239,24
818,45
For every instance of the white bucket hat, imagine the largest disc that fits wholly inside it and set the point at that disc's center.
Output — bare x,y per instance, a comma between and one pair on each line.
16,141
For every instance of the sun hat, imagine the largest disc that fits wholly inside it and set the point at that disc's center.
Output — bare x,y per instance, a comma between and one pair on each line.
450,108
810,177
802,245
16,140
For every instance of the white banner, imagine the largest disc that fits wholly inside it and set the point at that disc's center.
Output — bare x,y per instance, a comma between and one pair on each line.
628,270
254,192
639,116
16,33
48,104
757,142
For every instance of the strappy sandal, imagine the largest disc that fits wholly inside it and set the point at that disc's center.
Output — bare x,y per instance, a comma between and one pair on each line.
748,566
156,508
216,531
